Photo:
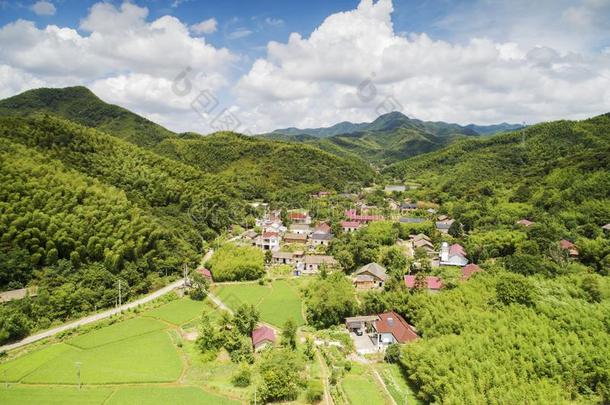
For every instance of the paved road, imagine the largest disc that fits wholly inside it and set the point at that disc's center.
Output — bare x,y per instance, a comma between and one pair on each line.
93,318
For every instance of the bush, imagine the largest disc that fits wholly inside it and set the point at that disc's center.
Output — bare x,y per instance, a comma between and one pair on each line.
315,391
237,263
243,377
392,354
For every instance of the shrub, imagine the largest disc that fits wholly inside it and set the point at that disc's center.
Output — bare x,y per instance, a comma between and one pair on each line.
315,391
392,354
243,377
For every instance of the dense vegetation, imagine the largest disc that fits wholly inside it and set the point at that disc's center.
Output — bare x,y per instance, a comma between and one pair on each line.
237,263
93,194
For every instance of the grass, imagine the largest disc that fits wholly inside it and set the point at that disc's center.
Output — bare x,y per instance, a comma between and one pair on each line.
396,383
116,332
24,365
277,302
147,358
166,395
360,387
177,312
53,395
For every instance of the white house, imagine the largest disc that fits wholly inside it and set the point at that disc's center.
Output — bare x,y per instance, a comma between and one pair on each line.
453,255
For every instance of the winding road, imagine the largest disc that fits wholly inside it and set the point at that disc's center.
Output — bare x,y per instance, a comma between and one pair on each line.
93,318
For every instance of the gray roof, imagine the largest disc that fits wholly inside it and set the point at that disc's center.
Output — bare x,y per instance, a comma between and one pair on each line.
374,269
282,255
319,259
300,227
412,220
322,236
406,206
444,224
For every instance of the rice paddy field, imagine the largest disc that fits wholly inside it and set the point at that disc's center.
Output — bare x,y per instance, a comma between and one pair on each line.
361,388
135,361
277,301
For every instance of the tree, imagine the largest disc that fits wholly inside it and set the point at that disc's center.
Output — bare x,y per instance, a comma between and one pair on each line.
592,289
514,289
243,377
309,350
208,339
315,391
395,262
280,372
329,300
289,334
455,229
245,319
392,353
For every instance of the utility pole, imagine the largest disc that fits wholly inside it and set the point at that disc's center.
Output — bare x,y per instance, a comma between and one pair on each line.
185,270
78,364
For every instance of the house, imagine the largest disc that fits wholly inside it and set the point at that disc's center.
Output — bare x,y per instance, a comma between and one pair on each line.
443,217
394,188
262,337
299,218
312,263
431,211
432,283
300,229
606,227
391,328
295,238
363,219
469,270
453,255
274,226
350,226
369,276
412,220
322,239
322,228
282,258
572,250
269,241
205,273
525,223
443,225
408,206
425,245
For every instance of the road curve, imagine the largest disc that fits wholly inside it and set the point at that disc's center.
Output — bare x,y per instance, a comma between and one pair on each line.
93,318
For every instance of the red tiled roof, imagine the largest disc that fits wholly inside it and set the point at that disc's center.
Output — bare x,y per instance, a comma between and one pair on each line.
469,270
391,322
270,235
351,214
297,215
323,227
204,272
434,283
457,249
566,244
350,224
262,334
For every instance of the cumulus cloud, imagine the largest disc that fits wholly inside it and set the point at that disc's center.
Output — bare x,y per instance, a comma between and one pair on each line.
205,27
317,80
124,57
241,32
43,8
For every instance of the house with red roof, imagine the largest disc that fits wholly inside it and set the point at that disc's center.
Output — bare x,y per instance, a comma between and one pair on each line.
262,337
299,218
350,226
469,270
391,328
433,284
454,255
269,241
363,219
568,246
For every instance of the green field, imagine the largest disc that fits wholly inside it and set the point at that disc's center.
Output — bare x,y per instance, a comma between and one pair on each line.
22,366
277,302
111,396
116,332
147,358
178,312
361,388
397,384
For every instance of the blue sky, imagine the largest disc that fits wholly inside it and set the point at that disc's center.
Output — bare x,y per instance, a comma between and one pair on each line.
278,63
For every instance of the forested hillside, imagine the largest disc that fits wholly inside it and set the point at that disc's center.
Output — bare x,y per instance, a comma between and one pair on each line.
533,326
390,138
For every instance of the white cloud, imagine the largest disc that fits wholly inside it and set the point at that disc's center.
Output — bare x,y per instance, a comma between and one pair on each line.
274,22
43,8
314,81
241,32
205,27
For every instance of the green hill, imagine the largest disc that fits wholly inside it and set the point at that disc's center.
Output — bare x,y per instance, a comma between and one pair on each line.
390,138
80,105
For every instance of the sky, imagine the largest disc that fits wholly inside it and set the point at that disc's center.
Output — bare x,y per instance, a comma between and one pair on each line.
254,66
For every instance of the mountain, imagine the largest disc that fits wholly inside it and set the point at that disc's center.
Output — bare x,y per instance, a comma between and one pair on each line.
494,129
79,104
388,139
254,165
